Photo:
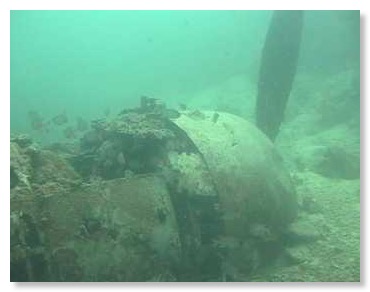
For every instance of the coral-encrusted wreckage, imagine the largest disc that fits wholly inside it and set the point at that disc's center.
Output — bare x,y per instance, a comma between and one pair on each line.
151,195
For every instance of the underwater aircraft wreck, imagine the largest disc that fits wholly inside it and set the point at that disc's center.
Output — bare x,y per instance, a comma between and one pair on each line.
152,194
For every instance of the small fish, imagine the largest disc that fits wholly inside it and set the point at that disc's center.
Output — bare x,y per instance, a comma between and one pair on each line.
33,115
37,121
82,125
107,112
69,133
215,117
172,114
197,115
182,107
60,119
227,242
37,125
121,159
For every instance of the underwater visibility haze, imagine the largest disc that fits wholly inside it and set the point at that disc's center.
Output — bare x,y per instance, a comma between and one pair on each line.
185,146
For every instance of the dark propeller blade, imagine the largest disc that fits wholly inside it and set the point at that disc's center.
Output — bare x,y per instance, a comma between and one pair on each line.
277,69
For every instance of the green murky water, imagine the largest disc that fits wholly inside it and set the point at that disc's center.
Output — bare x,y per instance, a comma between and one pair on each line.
71,67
